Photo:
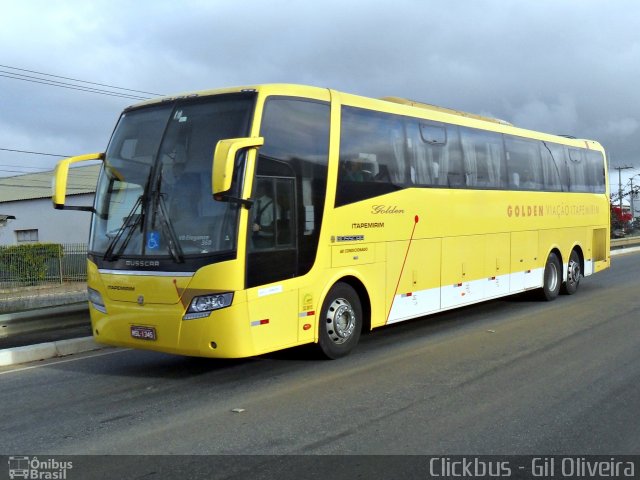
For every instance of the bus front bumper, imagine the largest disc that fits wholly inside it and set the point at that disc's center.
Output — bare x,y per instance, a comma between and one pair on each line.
225,333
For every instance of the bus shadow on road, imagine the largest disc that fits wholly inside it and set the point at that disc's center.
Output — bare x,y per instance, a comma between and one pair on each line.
474,316
149,364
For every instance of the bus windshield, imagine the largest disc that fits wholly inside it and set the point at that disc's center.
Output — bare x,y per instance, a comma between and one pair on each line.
154,194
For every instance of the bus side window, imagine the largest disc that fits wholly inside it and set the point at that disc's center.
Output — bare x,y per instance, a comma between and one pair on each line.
577,171
427,150
373,154
595,163
452,165
559,163
524,163
483,158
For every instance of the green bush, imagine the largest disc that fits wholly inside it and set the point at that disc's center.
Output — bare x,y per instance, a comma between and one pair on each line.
28,263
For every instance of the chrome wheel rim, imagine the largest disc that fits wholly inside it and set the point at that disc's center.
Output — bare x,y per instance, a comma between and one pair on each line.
340,321
573,273
552,277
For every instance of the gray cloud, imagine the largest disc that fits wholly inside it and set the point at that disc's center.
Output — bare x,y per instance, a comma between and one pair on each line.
561,67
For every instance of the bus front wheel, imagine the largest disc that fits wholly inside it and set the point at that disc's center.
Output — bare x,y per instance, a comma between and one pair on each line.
573,274
340,321
552,277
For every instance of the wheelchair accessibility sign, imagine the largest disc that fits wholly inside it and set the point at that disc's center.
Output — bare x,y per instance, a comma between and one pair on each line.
153,240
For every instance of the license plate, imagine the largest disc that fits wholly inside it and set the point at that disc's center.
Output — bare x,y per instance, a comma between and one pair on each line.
143,333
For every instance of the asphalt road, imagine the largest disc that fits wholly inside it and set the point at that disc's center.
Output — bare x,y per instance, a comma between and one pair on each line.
514,376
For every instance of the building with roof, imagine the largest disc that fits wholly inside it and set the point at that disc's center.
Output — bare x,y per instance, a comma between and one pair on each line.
27,198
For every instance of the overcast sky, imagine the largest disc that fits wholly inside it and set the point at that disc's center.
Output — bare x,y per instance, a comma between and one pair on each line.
567,67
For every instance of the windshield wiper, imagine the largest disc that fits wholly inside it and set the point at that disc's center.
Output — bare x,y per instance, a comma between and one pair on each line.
131,221
167,227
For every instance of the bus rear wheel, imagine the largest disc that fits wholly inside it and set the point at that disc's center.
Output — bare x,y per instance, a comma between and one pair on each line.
340,321
573,274
552,278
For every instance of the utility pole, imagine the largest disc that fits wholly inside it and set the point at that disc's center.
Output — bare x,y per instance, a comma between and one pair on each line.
626,167
632,195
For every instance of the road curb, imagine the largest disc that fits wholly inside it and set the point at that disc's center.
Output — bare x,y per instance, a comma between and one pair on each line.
622,251
43,351
43,319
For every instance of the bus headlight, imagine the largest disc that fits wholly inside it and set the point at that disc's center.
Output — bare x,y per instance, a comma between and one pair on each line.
96,300
203,305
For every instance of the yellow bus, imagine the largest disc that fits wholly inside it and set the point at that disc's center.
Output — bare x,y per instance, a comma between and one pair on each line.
236,222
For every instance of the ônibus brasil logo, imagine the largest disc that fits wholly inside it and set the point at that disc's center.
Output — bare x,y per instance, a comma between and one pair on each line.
33,468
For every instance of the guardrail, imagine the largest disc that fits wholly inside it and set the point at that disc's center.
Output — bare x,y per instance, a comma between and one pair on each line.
40,325
624,242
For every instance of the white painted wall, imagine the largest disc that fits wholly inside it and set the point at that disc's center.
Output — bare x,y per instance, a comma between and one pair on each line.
57,226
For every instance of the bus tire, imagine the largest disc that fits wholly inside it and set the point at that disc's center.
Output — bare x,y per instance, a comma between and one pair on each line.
552,278
340,321
573,274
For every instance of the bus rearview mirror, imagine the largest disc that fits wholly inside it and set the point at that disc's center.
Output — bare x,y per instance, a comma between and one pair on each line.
224,159
61,175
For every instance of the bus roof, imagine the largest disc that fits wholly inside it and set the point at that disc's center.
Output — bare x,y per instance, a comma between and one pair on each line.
467,118
436,108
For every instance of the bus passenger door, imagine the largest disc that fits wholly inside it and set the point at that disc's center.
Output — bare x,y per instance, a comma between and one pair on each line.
271,260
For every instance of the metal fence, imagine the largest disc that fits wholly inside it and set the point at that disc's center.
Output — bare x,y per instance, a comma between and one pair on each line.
42,264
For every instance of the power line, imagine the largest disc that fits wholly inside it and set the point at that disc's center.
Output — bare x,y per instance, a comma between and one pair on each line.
70,86
24,172
20,166
43,187
81,81
31,171
45,182
34,153
43,170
